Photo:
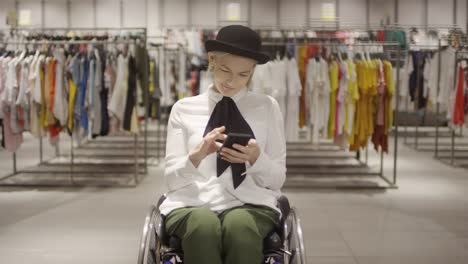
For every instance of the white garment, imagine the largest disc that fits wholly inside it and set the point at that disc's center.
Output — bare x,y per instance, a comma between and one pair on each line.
311,76
11,94
294,92
36,93
200,187
319,81
342,97
182,83
279,84
60,108
405,73
262,79
119,95
432,78
447,76
96,107
351,100
166,97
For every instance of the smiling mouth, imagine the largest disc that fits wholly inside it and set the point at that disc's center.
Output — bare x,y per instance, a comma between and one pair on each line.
227,88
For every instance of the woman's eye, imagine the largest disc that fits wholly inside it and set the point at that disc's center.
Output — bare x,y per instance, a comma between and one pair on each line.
224,70
243,75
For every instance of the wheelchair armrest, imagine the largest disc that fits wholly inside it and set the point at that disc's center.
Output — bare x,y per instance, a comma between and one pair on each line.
283,205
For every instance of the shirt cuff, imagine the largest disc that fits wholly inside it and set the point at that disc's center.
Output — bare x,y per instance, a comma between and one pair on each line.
259,164
190,169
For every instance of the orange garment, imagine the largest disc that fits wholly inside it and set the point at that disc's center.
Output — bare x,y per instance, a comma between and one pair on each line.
50,104
43,113
459,108
302,66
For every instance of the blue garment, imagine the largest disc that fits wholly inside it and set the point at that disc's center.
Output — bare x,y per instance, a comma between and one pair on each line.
82,95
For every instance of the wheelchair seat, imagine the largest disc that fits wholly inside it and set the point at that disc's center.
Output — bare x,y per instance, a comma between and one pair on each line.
283,245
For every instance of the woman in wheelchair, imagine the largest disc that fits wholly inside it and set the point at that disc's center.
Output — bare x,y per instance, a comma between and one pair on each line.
222,200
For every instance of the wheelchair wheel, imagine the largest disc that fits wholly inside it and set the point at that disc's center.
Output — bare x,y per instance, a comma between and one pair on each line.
294,240
150,242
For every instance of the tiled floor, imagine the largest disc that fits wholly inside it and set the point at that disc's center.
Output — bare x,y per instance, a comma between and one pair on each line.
424,221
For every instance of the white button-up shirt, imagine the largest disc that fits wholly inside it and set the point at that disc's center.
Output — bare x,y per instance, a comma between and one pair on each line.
200,187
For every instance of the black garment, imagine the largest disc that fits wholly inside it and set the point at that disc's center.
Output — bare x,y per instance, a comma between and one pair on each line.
3,133
227,114
131,94
416,84
103,94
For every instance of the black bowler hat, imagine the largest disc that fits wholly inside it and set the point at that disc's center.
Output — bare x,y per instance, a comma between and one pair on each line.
238,40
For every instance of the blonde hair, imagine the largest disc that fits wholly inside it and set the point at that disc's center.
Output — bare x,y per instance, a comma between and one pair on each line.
211,66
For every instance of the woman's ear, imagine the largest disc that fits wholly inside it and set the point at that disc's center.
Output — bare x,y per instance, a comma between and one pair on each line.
211,56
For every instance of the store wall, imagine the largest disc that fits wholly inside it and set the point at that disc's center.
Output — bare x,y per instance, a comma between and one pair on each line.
81,13
154,14
440,12
353,12
381,11
462,14
411,12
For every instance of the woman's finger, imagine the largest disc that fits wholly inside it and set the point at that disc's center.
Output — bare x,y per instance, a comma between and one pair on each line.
241,148
234,154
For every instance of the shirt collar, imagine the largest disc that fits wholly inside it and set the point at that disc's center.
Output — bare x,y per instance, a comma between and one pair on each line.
216,96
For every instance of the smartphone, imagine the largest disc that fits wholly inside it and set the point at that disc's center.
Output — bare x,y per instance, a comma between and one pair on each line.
236,138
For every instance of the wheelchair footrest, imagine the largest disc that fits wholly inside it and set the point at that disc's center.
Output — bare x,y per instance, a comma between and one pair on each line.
171,258
273,257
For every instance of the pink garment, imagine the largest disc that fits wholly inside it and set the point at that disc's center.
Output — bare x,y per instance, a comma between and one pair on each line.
12,141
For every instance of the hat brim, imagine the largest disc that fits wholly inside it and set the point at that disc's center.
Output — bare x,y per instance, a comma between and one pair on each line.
216,45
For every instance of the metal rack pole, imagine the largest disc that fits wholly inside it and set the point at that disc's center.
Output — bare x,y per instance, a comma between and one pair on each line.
14,163
439,56
395,119
416,104
453,86
146,103
72,157
452,155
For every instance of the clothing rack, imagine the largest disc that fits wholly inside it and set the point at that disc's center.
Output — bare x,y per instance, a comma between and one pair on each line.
390,183
419,48
451,160
417,135
71,170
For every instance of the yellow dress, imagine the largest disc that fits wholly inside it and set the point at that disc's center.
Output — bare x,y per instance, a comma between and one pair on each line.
334,83
388,69
71,103
353,97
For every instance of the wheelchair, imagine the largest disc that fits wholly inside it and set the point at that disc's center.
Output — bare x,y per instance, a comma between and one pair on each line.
285,245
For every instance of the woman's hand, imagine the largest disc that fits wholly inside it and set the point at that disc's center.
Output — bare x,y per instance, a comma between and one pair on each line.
207,146
242,154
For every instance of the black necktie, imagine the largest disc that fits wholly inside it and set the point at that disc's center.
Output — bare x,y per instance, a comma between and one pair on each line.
227,114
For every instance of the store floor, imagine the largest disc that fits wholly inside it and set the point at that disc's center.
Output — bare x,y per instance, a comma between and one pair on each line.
424,221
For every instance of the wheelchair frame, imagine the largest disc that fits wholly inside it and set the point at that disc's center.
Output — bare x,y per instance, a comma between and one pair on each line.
152,249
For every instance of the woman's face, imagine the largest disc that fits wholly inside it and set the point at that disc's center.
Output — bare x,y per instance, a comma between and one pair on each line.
231,72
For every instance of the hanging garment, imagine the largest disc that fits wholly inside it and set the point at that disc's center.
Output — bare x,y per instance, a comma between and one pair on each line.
119,95
95,107
302,64
294,93
59,107
71,103
459,106
131,93
82,92
334,84
379,137
22,102
280,83
103,95
12,141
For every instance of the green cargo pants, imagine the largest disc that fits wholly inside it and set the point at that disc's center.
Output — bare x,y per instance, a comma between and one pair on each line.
233,237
